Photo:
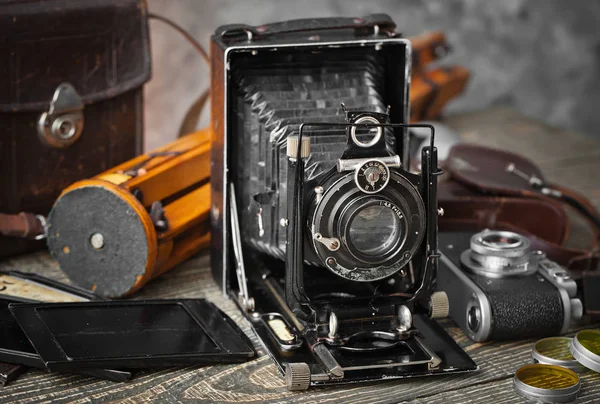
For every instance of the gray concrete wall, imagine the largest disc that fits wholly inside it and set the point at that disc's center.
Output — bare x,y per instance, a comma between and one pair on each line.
540,56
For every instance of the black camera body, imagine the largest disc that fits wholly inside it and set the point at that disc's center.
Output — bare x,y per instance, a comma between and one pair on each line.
320,232
498,289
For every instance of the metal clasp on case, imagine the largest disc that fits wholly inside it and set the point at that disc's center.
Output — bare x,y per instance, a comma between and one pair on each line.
62,124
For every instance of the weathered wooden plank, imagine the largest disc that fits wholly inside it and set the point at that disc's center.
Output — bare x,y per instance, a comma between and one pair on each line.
565,158
257,380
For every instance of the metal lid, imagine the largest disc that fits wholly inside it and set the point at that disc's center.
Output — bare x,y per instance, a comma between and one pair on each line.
585,347
555,351
547,383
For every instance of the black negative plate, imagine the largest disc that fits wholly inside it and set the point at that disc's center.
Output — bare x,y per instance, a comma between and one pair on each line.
131,334
15,348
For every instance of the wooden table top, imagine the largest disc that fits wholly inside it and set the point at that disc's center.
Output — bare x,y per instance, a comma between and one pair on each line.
564,157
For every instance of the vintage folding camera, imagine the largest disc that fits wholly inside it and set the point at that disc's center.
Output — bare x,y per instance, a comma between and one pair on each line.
325,239
499,289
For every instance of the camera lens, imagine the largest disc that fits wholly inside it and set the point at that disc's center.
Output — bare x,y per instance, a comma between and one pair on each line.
497,254
374,230
378,234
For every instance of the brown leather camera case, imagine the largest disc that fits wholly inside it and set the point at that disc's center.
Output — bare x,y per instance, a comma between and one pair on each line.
71,81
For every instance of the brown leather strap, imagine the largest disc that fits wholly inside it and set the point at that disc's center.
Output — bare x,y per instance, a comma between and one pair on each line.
24,225
483,171
462,205
486,170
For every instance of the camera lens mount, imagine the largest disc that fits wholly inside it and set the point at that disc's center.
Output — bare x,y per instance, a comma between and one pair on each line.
497,254
378,233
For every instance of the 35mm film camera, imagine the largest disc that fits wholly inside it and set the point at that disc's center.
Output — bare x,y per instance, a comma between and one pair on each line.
325,239
499,288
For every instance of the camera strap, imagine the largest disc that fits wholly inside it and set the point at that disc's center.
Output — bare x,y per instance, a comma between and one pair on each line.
373,24
24,225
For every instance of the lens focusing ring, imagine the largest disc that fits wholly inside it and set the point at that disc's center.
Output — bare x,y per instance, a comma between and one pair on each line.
494,262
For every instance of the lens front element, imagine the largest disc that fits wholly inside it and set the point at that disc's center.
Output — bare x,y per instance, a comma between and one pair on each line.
374,230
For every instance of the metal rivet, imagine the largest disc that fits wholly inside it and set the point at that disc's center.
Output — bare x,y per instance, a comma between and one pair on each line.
66,129
97,241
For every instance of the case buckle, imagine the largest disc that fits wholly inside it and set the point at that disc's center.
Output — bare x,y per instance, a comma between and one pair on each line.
62,124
